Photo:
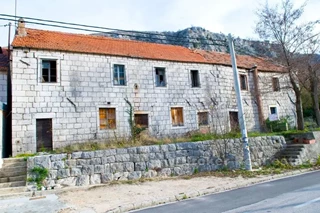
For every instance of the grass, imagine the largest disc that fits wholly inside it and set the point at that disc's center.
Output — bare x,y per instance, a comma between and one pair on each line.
25,155
145,140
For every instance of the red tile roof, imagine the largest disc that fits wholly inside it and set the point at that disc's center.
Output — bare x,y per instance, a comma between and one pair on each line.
3,59
52,40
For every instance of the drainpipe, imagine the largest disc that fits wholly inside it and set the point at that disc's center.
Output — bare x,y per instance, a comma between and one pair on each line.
257,94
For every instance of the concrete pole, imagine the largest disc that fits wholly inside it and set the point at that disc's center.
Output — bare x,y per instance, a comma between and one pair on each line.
246,150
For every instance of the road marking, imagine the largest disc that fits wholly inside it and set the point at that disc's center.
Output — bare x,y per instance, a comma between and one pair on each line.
307,203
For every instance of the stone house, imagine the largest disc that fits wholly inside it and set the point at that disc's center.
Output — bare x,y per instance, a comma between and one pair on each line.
69,88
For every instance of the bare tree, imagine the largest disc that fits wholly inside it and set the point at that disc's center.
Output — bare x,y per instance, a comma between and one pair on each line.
309,73
280,24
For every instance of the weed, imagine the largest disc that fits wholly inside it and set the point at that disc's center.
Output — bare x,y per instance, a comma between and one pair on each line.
318,161
184,197
195,171
38,175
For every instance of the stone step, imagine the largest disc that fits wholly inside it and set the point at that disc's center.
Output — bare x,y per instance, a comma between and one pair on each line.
14,164
296,145
4,174
293,152
12,169
11,190
13,179
11,160
13,184
290,156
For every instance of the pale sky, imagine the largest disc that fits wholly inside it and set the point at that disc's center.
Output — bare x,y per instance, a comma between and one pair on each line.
227,16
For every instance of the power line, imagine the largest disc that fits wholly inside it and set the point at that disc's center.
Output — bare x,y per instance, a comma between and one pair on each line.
103,28
177,40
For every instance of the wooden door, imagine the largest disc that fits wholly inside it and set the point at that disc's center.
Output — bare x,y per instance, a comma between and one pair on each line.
44,135
234,121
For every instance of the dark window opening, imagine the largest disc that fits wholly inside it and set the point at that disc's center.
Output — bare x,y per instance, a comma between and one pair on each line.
49,71
243,82
203,118
273,110
119,75
275,84
141,120
161,77
195,81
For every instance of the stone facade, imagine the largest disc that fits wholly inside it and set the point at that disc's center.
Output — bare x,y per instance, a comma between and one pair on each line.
3,86
85,84
94,167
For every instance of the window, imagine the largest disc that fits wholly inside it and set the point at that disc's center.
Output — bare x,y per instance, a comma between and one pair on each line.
177,116
119,75
161,77
273,113
49,71
141,120
243,82
275,84
195,81
203,118
107,118
273,110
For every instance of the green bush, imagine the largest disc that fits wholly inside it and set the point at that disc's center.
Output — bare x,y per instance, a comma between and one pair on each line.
277,126
38,175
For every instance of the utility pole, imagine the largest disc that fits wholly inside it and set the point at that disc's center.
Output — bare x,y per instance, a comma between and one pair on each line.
245,144
9,100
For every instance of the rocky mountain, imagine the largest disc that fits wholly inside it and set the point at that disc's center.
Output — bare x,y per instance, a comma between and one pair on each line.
197,38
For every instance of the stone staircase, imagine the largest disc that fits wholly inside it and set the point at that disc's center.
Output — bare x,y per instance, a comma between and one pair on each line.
293,153
13,175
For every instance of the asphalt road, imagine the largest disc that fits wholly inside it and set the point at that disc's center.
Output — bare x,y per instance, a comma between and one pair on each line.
294,194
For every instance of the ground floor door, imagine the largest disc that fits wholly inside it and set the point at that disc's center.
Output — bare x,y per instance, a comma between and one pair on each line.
44,135
234,121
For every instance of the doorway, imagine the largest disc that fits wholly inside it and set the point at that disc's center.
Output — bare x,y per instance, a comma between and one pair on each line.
44,135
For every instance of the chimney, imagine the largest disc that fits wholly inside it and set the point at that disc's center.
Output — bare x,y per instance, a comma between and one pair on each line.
21,31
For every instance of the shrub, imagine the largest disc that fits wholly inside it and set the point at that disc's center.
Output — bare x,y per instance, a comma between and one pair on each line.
38,175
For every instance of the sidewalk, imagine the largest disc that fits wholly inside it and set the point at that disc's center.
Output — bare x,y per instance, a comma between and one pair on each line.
123,197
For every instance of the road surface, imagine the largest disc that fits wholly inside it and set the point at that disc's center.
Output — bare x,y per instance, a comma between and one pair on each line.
293,194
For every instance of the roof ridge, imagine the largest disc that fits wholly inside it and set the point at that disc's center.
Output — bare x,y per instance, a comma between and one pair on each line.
93,36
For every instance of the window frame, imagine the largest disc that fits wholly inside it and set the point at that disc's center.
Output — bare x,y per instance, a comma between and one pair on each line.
98,118
50,70
165,77
198,121
124,74
275,84
276,109
246,82
192,79
41,58
182,113
142,113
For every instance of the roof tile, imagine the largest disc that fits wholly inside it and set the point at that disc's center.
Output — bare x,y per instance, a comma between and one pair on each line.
52,40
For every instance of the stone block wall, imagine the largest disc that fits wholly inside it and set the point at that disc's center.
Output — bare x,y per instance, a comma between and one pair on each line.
101,166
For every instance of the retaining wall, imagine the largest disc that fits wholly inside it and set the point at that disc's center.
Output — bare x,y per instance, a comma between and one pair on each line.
94,167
